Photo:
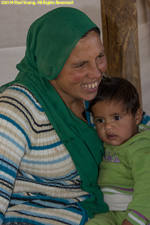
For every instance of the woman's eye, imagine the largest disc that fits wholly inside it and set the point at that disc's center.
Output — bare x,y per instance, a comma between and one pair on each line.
117,117
101,55
101,58
80,65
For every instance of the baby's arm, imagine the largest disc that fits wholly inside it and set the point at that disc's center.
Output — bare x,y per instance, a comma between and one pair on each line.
139,207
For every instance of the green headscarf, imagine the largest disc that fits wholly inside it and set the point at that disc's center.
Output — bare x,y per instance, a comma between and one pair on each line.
50,40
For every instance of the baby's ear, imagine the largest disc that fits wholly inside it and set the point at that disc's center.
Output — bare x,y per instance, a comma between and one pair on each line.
138,116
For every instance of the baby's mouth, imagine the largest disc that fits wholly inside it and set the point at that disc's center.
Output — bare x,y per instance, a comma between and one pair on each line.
111,136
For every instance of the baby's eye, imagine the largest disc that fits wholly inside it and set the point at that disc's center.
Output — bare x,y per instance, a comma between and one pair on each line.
99,120
117,117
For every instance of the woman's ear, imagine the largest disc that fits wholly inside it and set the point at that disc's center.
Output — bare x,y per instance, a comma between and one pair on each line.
138,116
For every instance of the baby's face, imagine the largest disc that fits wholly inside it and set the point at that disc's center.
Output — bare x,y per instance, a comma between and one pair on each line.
113,124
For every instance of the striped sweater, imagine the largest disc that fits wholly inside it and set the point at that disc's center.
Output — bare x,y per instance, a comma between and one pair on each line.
39,183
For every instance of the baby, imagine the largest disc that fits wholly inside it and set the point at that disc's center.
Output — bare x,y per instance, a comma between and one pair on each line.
124,175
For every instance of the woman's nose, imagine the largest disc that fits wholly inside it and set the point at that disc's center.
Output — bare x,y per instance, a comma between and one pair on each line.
94,72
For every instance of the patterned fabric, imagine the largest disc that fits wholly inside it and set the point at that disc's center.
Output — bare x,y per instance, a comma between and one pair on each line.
16,223
39,183
146,119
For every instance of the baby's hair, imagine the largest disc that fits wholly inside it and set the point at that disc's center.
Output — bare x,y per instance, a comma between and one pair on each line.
119,90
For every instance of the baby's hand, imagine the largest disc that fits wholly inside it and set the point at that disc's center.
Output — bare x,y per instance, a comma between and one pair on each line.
126,222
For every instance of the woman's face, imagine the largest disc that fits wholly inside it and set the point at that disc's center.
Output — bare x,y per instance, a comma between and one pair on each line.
82,72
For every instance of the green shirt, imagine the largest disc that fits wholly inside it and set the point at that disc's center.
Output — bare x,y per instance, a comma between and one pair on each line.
126,168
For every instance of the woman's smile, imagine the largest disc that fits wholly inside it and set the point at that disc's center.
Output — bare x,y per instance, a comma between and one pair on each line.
91,86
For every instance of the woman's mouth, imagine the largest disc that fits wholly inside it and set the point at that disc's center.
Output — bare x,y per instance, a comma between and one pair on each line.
91,86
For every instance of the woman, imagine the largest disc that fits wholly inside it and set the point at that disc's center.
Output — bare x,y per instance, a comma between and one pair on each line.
49,152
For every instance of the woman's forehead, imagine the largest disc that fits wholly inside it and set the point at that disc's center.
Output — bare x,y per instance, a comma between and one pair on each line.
90,44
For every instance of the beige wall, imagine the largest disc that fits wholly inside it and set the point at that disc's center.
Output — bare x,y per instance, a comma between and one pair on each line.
144,50
16,19
14,23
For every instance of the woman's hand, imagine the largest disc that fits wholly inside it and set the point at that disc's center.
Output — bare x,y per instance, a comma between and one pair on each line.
126,222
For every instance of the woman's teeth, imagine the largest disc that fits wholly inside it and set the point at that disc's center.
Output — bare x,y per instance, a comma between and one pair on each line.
90,86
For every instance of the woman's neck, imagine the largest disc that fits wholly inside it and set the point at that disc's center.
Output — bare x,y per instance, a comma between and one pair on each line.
77,107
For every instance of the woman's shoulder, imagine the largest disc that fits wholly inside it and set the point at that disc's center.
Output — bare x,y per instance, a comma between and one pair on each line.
19,94
19,101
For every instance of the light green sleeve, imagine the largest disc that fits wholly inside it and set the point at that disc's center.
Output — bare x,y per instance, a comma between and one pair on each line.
140,164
